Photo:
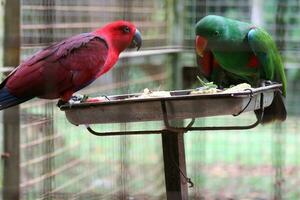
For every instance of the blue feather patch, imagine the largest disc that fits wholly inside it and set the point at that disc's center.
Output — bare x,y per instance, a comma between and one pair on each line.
8,100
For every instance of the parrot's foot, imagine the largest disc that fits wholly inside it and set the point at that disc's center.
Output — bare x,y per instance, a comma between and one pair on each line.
78,98
60,103
263,83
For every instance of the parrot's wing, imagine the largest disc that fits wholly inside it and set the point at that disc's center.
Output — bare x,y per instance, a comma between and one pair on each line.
265,49
65,65
63,48
263,46
56,51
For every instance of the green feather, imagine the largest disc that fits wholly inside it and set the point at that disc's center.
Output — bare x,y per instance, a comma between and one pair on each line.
264,48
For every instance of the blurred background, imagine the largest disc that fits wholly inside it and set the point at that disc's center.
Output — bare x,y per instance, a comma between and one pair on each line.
61,161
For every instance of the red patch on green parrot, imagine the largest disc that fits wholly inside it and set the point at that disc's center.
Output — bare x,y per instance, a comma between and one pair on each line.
201,44
207,63
215,63
253,62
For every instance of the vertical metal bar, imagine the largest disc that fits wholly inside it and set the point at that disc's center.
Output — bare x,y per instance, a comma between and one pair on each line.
278,147
279,136
172,143
257,12
124,140
11,116
48,147
174,161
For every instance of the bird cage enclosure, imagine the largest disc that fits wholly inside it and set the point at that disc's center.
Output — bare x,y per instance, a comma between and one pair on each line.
61,161
56,168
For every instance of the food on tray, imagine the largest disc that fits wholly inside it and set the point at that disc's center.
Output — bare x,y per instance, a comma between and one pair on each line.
206,87
237,88
149,93
205,90
96,99
211,88
79,98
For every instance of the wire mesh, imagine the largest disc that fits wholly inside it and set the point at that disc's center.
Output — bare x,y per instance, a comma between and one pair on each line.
261,163
48,21
60,161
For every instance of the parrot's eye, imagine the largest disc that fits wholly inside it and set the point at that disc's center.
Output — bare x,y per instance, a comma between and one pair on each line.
126,29
216,33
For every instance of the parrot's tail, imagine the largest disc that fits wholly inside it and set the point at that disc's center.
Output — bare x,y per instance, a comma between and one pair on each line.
275,112
8,100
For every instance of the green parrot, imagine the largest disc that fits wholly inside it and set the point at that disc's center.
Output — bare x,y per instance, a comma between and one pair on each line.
232,52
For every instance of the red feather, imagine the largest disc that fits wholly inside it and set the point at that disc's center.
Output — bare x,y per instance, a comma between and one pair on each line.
208,63
62,68
253,62
117,42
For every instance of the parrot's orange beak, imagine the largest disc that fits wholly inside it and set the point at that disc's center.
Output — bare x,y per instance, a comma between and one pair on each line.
201,44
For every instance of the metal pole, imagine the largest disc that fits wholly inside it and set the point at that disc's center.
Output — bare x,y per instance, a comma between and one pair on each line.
11,116
279,136
172,142
175,166
48,147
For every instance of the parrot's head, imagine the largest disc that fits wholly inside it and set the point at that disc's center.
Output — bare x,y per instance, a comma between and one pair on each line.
121,35
210,31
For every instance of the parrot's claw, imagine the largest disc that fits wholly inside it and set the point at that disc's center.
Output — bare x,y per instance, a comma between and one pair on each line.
60,103
264,83
78,98
75,99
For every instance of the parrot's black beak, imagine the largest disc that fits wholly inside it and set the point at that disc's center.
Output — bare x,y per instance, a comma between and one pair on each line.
137,40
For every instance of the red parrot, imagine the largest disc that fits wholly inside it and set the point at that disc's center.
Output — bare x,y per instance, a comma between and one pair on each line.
68,66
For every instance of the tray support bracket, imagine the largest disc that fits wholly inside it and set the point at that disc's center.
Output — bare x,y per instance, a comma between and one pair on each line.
214,128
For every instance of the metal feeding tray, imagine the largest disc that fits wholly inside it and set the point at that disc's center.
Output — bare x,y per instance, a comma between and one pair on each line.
180,105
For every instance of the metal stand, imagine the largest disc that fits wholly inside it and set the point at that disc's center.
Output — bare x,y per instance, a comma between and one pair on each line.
175,166
179,106
173,149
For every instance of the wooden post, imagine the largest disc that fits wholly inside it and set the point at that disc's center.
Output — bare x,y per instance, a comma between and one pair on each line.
11,119
174,163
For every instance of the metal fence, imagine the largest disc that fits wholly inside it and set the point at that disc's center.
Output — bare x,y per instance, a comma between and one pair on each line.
262,163
61,161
